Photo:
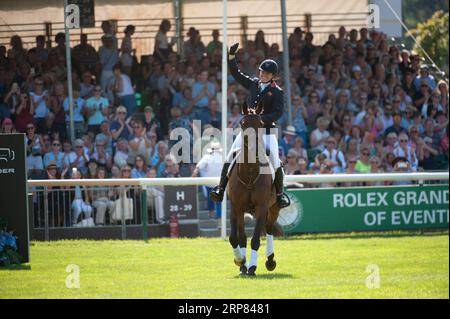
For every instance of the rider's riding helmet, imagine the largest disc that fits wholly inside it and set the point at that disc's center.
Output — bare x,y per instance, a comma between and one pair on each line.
269,66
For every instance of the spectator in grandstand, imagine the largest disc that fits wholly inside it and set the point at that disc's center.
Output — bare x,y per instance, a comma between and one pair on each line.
298,147
299,114
35,164
214,44
313,108
138,142
121,126
92,166
108,30
171,168
212,115
126,50
291,165
55,155
101,156
334,156
151,122
86,86
363,163
124,89
157,160
105,136
426,154
424,74
101,199
69,156
319,135
202,92
140,167
39,99
78,119
109,57
121,152
85,56
80,204
162,45
7,126
288,140
401,165
396,126
93,110
56,106
235,116
406,151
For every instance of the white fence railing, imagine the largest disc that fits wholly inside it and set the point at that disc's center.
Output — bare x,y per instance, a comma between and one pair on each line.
210,181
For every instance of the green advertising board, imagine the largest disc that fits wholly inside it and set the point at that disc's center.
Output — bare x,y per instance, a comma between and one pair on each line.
366,208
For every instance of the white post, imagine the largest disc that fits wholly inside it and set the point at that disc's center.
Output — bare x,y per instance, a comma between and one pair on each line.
287,80
69,74
224,111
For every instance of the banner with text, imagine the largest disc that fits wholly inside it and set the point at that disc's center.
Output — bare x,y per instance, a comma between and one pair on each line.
366,209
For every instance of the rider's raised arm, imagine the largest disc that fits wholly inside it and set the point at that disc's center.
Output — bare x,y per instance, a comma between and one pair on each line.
240,77
277,108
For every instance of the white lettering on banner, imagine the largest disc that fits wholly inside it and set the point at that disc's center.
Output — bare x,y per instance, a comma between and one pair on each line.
180,195
371,218
350,200
419,217
412,198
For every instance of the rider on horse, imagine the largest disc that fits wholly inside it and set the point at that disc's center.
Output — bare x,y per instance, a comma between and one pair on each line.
262,90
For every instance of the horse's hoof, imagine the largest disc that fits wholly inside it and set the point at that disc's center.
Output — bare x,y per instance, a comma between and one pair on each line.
271,264
240,263
243,270
251,271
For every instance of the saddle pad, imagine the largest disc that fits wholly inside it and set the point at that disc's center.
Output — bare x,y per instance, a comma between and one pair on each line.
234,160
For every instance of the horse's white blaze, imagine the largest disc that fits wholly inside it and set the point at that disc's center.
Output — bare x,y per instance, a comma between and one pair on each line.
253,258
237,253
269,245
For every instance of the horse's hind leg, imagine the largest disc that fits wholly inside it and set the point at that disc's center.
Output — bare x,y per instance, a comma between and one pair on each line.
271,264
239,259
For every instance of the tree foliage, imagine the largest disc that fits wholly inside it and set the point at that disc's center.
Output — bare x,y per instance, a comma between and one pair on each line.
432,35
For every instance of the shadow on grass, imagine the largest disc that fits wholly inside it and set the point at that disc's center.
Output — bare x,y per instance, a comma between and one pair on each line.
365,235
267,276
16,267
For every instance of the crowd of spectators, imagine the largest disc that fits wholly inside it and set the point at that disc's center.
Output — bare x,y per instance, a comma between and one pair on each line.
359,103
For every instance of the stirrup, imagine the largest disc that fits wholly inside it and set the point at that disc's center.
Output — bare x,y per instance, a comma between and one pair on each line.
283,200
217,194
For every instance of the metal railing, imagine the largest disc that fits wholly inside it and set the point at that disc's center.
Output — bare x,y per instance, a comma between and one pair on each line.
240,28
59,206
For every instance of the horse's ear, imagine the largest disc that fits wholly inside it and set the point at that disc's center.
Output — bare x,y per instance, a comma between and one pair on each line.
245,108
259,107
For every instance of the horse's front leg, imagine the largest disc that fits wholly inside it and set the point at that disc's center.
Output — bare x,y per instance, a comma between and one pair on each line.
261,214
271,264
242,242
239,258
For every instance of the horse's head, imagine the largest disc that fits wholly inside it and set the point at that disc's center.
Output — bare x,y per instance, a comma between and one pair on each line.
252,118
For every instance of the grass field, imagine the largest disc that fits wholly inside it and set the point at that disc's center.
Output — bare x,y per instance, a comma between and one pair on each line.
411,265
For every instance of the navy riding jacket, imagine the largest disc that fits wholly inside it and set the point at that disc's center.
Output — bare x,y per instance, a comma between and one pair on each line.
271,97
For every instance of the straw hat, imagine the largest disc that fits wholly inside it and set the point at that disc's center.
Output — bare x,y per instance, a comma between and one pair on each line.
290,130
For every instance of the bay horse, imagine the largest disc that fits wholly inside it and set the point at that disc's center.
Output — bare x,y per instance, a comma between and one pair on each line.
249,190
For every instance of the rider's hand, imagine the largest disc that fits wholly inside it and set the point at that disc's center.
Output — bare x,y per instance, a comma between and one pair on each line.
234,48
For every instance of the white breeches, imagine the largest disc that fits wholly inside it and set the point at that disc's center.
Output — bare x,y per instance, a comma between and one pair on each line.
271,144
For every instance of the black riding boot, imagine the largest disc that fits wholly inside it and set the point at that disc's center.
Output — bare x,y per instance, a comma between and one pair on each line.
282,199
217,192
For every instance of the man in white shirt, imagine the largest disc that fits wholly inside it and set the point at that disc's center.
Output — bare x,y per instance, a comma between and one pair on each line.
210,166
